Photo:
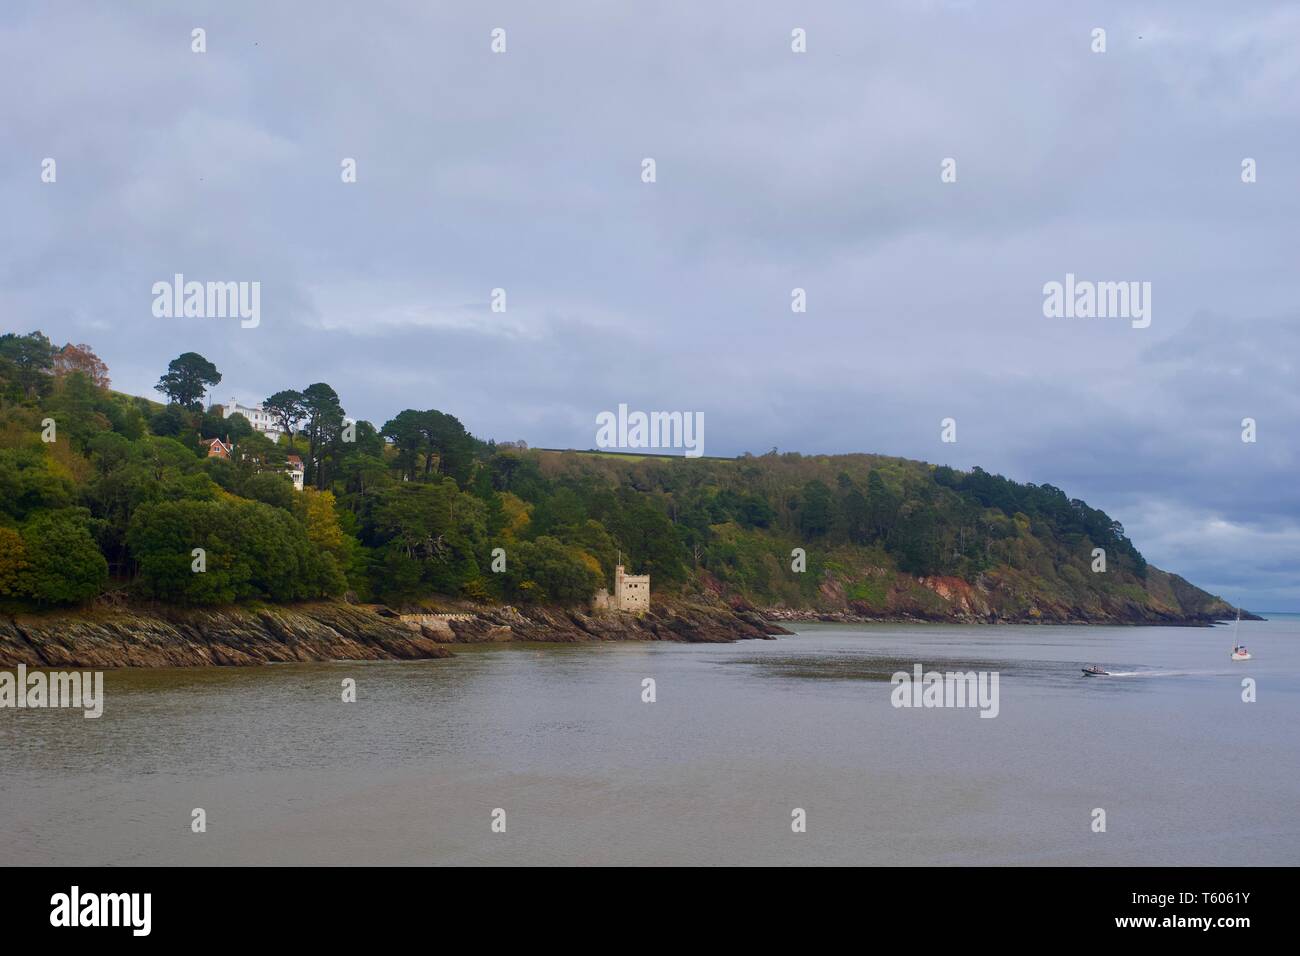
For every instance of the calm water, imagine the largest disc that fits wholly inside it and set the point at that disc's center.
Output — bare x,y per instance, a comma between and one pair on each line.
588,774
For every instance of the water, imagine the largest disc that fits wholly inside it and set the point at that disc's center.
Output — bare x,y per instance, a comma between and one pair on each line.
740,735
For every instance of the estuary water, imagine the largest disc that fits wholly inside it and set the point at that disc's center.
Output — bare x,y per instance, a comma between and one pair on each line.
738,737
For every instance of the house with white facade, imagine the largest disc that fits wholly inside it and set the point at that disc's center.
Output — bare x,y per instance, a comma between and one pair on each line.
261,420
293,467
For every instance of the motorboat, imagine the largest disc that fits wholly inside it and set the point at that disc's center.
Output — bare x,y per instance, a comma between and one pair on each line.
1092,670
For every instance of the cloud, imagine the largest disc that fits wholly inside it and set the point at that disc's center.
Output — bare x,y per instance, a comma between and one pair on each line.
775,171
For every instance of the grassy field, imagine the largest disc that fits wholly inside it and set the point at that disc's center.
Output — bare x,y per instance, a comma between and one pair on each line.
625,455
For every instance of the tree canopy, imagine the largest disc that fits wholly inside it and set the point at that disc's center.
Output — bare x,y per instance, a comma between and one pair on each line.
125,494
187,380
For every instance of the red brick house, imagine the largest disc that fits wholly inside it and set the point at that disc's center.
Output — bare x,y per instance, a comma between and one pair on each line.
218,448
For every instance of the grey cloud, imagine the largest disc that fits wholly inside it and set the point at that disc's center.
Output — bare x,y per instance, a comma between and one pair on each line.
775,171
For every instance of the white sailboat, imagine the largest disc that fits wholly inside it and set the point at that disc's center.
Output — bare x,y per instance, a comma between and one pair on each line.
1239,652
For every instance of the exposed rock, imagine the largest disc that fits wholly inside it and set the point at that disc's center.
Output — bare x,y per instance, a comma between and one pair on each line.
172,637
667,620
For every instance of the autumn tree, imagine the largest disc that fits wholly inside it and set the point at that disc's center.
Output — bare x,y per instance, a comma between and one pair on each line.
80,358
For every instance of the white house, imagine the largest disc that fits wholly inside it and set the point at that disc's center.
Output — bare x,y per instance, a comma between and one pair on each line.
293,466
261,420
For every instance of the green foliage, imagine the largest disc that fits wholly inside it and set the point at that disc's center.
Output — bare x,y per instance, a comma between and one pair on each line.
325,420
288,410
547,570
232,429
30,482
13,563
64,565
270,488
429,537
187,379
431,443
26,366
127,493
250,550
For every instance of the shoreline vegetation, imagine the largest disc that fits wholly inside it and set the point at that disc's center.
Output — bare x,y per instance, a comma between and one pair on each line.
135,532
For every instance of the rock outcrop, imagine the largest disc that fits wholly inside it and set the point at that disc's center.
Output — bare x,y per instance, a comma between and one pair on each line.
171,637
667,620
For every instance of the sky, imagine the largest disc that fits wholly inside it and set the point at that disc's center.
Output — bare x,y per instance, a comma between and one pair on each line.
775,170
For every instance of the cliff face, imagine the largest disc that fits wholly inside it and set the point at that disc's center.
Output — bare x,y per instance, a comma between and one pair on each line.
168,637
1007,596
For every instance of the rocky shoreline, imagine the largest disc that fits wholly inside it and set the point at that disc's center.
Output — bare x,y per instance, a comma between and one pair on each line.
804,616
156,636
161,636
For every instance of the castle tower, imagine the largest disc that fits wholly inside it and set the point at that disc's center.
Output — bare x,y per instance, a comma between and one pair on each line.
631,591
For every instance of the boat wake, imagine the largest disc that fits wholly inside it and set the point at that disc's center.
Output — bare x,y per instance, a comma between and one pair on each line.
1164,673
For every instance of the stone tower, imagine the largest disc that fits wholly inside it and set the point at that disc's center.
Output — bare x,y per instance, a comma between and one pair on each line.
631,591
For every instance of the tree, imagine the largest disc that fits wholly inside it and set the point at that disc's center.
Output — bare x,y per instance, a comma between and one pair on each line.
857,520
270,488
815,514
79,358
170,421
324,415
30,482
406,430
366,441
251,550
13,562
322,523
426,535
363,473
75,404
65,565
25,365
425,437
549,570
917,548
162,537
288,408
187,380
453,445
882,507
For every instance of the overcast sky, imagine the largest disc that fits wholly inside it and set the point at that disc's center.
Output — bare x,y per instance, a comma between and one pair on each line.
775,170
